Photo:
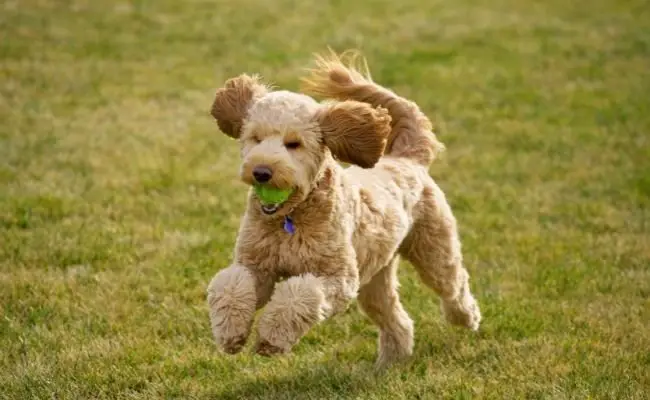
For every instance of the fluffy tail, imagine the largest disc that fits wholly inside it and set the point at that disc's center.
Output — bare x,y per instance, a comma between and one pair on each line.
346,77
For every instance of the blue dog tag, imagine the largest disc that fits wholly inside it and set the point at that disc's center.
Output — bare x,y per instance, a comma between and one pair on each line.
288,225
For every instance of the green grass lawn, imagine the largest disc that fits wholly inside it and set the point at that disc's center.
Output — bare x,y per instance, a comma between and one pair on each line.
119,198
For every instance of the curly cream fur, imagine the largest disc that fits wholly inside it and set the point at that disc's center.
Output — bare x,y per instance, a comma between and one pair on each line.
411,135
231,103
349,126
296,305
352,224
232,299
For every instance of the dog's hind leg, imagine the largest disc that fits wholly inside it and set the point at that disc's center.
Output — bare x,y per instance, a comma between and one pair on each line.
434,249
379,300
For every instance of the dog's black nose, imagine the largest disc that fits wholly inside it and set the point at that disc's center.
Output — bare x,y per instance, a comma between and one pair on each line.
262,174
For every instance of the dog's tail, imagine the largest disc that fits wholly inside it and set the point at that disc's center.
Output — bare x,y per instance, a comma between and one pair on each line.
346,77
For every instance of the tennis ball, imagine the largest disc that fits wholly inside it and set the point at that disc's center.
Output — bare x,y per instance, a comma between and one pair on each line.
271,195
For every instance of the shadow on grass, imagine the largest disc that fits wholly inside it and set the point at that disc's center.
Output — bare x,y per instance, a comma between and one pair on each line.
331,379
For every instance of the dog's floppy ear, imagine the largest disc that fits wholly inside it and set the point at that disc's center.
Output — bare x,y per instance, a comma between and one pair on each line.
355,132
232,102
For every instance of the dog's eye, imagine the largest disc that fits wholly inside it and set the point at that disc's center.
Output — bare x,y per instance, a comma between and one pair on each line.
292,145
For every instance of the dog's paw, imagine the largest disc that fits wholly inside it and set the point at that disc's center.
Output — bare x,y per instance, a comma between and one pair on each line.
395,346
464,313
234,344
264,348
230,334
231,301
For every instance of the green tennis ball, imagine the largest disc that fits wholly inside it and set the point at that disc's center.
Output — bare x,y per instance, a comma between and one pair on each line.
271,195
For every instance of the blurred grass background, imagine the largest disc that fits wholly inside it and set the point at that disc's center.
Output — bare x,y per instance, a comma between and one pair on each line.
119,198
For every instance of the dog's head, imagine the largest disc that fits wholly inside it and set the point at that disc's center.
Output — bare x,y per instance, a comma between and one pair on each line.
287,137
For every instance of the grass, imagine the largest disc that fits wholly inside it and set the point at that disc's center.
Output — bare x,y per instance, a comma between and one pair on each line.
119,199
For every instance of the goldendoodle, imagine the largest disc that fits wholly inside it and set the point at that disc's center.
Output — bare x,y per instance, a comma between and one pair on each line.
316,234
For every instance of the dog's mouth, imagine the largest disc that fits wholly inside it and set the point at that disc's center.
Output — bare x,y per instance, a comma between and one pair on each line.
270,209
272,198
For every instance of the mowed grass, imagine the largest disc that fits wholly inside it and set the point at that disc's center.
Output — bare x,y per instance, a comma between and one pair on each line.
119,198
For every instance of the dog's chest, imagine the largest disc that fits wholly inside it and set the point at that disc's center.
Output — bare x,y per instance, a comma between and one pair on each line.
288,254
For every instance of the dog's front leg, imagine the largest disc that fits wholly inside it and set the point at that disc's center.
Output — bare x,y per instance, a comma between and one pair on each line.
299,303
233,296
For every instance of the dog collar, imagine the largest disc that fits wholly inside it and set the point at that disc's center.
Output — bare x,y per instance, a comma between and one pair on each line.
288,224
289,227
